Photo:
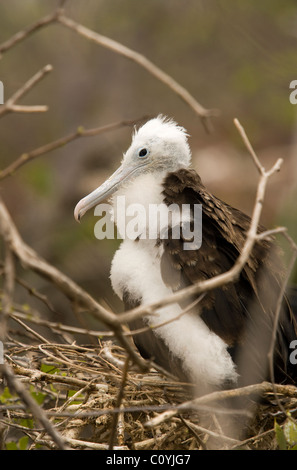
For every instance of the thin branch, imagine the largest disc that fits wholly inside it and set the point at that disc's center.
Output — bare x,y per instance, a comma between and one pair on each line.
33,332
60,327
118,403
57,16
195,427
10,105
8,290
30,259
248,145
141,60
21,35
249,390
61,142
40,377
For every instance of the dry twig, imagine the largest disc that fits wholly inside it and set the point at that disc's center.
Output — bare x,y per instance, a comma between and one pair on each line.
11,104
75,293
140,59
90,409
256,389
143,62
61,142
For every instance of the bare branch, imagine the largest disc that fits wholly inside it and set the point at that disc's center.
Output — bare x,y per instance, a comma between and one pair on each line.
60,327
21,35
38,376
8,290
141,60
248,145
11,106
61,142
30,259
118,404
249,390
57,16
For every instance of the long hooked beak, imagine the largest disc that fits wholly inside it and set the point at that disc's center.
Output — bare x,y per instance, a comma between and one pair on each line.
123,173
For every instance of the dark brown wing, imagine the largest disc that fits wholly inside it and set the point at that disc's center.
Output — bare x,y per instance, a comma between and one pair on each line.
241,313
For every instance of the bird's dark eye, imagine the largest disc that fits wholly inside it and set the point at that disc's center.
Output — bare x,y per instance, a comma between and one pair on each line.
143,152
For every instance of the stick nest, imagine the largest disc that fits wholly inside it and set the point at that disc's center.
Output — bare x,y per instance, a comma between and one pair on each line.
78,387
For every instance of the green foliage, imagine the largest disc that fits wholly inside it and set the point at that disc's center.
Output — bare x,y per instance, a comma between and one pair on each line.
280,436
38,396
21,444
49,369
6,396
286,435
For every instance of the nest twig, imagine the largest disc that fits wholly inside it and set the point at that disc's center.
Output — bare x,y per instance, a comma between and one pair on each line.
78,389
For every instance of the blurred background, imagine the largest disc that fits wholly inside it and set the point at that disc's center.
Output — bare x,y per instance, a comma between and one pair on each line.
238,57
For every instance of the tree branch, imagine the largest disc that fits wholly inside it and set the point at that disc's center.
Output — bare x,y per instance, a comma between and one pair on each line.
61,142
8,290
11,106
31,260
255,389
141,60
21,35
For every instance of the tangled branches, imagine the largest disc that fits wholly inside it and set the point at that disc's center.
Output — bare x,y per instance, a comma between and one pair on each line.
77,388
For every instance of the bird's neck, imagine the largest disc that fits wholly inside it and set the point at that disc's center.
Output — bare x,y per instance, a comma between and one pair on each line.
132,203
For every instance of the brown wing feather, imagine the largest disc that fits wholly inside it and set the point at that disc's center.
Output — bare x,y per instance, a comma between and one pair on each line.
249,301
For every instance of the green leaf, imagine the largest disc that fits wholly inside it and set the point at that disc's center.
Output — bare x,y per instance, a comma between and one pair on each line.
280,436
6,395
49,369
290,432
23,443
38,396
27,423
11,446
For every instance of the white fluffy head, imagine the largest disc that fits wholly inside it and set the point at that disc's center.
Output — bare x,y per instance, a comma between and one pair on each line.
166,143
158,147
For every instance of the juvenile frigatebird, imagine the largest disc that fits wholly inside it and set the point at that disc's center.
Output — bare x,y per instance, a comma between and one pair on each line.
224,340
